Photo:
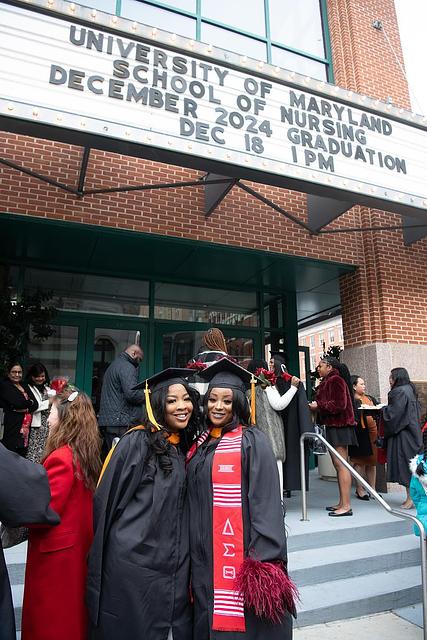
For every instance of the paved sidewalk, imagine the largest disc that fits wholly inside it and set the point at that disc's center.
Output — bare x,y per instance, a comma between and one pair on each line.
381,626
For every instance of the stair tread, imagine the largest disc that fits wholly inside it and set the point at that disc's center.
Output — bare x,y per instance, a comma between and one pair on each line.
308,558
336,592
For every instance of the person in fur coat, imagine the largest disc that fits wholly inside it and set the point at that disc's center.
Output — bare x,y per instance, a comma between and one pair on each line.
418,484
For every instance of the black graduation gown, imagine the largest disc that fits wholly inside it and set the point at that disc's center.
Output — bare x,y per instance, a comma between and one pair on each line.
297,420
24,499
139,565
263,524
402,430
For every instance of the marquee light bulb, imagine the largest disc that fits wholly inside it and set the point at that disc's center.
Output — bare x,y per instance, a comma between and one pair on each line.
209,48
93,13
173,37
243,60
134,26
114,19
35,112
50,3
154,32
10,107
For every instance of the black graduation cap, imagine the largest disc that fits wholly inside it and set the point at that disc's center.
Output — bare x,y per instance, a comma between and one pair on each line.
165,378
226,374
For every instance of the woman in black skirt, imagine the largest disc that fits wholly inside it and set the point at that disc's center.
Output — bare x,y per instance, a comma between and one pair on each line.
334,404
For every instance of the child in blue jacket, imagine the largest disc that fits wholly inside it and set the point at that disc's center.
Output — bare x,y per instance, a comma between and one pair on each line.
418,486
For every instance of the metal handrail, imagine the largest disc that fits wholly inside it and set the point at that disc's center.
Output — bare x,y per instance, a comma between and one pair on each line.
378,498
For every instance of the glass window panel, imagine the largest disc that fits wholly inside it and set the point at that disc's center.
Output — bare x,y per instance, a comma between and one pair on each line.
200,304
273,342
273,312
185,5
160,18
299,64
245,16
82,292
58,353
109,6
179,347
297,25
233,42
242,349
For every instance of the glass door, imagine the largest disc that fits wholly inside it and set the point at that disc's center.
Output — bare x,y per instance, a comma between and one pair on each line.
105,339
61,353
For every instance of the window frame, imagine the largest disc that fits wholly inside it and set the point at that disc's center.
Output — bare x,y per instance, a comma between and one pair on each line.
266,40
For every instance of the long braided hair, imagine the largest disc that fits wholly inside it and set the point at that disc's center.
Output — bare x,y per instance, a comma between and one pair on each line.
214,340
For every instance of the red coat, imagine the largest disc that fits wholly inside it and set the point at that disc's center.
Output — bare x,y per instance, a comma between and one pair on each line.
55,576
334,401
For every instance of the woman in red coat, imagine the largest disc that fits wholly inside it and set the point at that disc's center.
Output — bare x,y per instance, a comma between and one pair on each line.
334,405
55,576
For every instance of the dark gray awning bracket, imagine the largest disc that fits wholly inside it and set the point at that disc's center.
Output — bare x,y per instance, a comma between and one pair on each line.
321,211
215,193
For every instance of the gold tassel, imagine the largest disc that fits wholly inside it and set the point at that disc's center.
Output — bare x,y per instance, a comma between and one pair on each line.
150,413
105,465
253,401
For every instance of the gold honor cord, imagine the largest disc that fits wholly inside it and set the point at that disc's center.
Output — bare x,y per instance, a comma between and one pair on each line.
253,402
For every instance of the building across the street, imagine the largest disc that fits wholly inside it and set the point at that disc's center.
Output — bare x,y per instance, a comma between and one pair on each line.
171,166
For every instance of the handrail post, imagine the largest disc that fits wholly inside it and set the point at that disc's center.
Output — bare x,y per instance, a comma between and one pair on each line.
378,498
303,483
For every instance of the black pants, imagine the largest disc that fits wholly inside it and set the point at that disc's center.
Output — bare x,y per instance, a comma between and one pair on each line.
108,434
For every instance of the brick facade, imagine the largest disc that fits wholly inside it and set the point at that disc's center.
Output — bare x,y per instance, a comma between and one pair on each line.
383,301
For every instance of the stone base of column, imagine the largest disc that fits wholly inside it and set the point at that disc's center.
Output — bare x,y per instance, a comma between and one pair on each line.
373,362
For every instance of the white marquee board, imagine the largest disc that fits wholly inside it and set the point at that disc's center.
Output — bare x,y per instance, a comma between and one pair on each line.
81,77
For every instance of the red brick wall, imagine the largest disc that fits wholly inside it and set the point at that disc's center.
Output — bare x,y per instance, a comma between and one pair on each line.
384,301
389,285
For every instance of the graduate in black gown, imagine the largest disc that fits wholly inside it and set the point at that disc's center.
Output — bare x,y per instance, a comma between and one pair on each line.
24,499
139,566
237,539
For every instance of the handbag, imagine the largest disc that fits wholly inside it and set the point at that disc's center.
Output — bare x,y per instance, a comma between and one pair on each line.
318,448
11,536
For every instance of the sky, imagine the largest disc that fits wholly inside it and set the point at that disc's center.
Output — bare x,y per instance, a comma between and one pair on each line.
412,18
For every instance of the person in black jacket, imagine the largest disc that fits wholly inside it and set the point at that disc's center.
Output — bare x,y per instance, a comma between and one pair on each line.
402,429
18,402
24,499
120,406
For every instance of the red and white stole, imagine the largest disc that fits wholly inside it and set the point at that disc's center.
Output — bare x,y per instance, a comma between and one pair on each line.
228,613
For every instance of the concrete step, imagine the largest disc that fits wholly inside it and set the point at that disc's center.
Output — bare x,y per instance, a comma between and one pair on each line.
315,566
358,596
338,535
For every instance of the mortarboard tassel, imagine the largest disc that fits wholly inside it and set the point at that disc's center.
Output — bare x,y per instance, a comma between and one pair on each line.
150,413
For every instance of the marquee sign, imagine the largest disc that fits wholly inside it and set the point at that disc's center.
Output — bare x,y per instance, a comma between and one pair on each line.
89,73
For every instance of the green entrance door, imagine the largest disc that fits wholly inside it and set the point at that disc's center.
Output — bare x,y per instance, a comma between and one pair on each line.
82,348
105,339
